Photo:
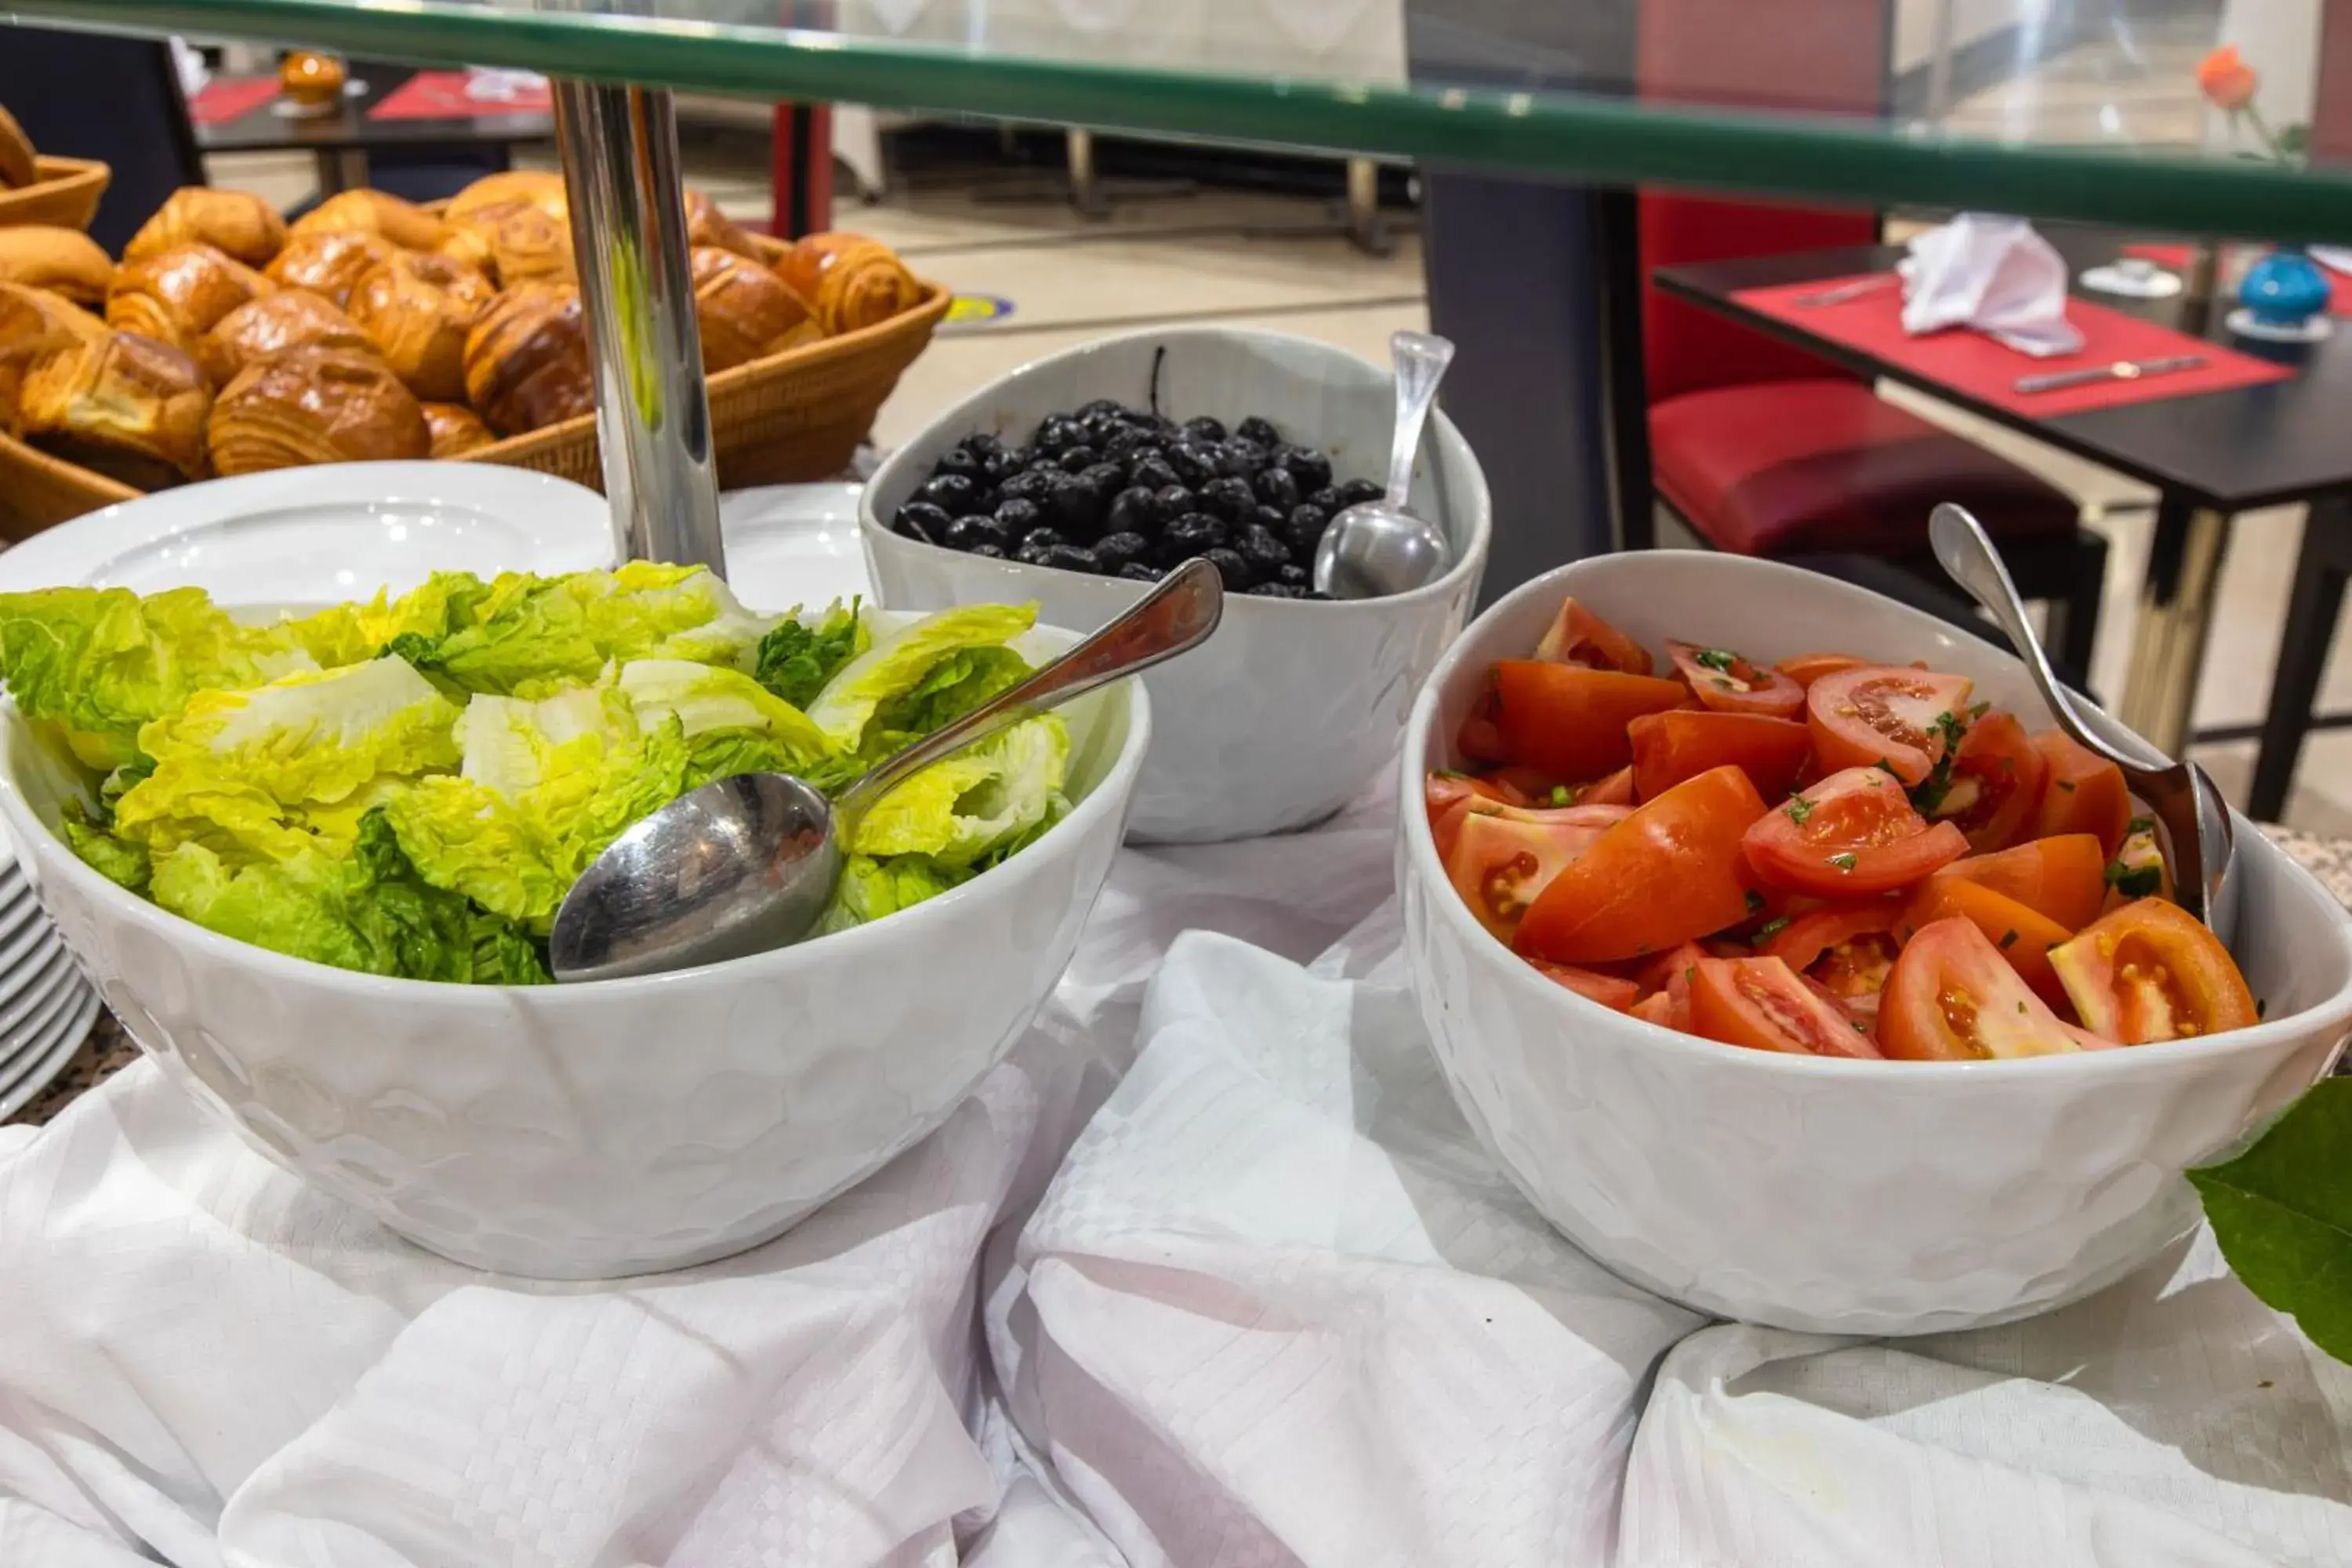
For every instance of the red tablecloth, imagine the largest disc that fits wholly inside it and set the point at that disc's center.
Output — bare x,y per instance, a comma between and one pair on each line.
2176,257
228,97
1979,367
441,95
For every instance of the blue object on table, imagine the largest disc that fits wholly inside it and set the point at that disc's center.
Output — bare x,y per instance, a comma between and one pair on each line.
2284,288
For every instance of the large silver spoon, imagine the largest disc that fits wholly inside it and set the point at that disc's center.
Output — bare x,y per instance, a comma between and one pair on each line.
1379,547
2198,844
746,864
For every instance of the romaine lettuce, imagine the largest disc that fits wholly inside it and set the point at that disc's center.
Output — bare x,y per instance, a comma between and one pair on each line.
898,673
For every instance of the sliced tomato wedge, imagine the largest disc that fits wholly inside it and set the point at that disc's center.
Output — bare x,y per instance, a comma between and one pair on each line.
1953,998
1569,721
1683,744
1447,796
1728,683
1658,1008
1576,636
1670,872
1610,990
2024,936
2138,870
1617,789
1807,668
1846,948
2152,972
2085,794
1904,717
1850,836
1763,1005
2063,878
1995,785
1499,865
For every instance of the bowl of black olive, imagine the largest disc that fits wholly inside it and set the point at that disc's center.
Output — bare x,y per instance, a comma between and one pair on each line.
1082,478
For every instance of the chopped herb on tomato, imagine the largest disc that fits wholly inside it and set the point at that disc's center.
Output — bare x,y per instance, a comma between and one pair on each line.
1560,794
1772,927
2139,824
1755,902
2008,938
1842,862
2066,784
2135,882
1717,658
1799,808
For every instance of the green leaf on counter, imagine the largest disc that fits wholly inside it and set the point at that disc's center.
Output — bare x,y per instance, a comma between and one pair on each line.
2283,1214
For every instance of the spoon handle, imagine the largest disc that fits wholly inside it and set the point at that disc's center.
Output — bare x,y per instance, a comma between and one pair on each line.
1177,616
1421,359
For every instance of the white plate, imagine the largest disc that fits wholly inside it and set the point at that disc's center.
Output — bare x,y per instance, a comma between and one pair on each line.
18,946
64,1043
15,918
42,978
321,535
29,1018
793,544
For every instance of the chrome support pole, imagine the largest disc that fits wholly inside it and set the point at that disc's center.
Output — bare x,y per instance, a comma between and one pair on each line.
628,233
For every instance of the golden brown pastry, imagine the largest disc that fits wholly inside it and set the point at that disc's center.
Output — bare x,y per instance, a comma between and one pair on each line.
705,224
290,318
328,263
415,308
528,246
405,224
33,324
456,429
541,188
16,164
315,406
744,312
849,282
527,359
64,260
128,407
803,265
178,295
238,223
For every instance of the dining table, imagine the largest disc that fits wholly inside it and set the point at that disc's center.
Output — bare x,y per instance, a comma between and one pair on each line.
385,109
2217,423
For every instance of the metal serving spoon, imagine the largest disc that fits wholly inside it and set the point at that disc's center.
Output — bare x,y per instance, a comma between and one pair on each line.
746,864
1378,547
2199,843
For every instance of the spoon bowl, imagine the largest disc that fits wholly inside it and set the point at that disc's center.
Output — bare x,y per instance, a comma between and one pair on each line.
1376,548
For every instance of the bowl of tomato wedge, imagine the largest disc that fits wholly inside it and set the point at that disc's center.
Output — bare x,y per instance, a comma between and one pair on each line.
1797,969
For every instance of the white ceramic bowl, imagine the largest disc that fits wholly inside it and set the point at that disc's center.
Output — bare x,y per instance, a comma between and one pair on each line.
1292,707
1839,1197
579,1131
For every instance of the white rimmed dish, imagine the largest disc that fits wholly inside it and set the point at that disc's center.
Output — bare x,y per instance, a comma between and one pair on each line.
795,544
73,1028
1292,708
617,1126
1839,1197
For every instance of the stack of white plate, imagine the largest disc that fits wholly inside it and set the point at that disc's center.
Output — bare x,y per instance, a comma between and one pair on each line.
46,1005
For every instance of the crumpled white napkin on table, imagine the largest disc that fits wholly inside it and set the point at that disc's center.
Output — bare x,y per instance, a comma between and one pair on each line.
1992,274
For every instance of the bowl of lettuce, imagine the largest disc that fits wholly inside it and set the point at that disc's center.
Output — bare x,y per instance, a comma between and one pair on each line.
309,856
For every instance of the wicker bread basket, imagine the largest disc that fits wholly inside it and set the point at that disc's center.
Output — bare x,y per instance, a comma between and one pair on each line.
64,197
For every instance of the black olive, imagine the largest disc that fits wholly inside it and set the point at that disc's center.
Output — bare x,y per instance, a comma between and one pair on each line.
1311,468
1190,535
1270,518
1265,553
1041,539
1116,550
1132,510
1019,516
1195,465
921,520
1108,478
1230,499
990,550
980,444
955,494
1056,434
1137,572
1275,591
1079,457
1240,459
1355,490
1296,576
1175,500
1303,531
1076,507
1325,497
1277,488
1204,429
1032,486
1030,557
1005,462
1231,567
1072,558
1104,407
1127,444
1259,430
960,460
966,532
1152,472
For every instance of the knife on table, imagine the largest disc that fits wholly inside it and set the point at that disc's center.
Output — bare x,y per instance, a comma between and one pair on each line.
2122,370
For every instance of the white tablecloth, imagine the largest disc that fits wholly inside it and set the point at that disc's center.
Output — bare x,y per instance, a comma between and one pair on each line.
1275,1307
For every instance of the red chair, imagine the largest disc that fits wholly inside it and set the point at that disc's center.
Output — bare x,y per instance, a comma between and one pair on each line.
1764,450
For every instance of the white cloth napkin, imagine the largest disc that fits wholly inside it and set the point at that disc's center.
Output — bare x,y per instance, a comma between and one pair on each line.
1993,275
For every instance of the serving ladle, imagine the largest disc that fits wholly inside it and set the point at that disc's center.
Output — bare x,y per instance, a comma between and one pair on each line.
2198,842
1376,548
749,863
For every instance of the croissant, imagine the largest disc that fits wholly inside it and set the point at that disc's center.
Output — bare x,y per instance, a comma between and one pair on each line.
405,224
705,224
65,260
238,223
455,429
16,164
33,324
527,359
329,262
849,282
124,404
528,246
743,311
291,318
415,308
315,406
176,296
541,188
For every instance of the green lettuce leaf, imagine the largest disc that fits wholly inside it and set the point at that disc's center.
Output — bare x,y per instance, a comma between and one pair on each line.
873,887
897,672
116,859
365,909
352,634
2283,1214
960,811
732,724
955,685
799,656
